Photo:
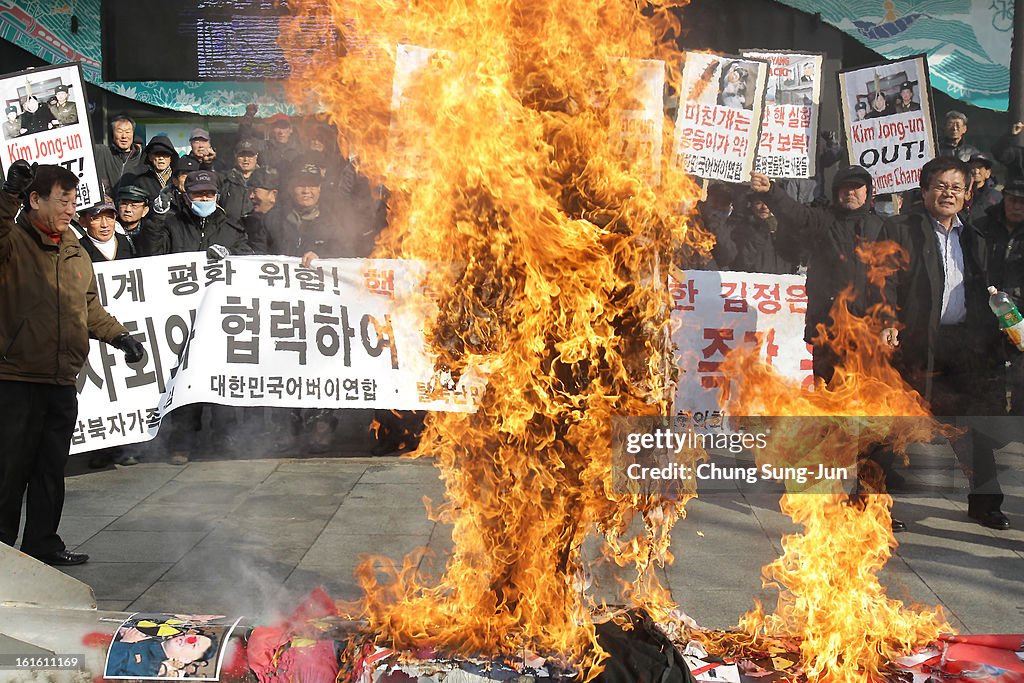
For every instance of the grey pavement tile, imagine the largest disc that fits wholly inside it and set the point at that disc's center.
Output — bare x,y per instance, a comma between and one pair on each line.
241,471
355,520
149,516
98,503
301,483
132,546
187,492
142,478
376,496
402,472
212,564
325,466
270,532
346,551
288,506
716,571
122,581
76,529
113,605
722,608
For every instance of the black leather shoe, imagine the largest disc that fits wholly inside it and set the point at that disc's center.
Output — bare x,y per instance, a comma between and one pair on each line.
898,526
63,558
993,519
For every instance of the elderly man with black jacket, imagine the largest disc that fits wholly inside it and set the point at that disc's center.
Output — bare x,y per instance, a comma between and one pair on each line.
946,342
48,310
831,236
199,224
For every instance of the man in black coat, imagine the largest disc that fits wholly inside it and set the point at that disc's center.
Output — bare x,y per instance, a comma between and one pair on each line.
830,236
120,157
200,226
1003,230
952,143
1009,150
946,341
751,237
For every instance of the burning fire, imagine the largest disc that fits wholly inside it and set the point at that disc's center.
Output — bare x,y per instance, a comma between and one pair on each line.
498,146
499,143
831,601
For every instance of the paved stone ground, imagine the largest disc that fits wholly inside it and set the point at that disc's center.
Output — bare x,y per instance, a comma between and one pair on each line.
252,535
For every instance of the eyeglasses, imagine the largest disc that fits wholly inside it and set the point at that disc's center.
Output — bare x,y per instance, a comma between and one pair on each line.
943,188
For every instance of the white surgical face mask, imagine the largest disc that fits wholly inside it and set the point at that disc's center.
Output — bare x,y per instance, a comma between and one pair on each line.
204,209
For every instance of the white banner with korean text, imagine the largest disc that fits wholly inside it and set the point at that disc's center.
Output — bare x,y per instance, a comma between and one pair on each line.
46,122
259,331
714,313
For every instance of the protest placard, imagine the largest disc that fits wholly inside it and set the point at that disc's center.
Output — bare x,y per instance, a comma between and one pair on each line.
637,115
715,313
788,142
260,331
887,115
721,103
46,122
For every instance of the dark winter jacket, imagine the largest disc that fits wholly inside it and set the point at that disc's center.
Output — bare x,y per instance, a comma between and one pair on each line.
916,294
48,303
982,200
755,243
234,195
182,230
289,233
112,164
830,236
1003,257
962,151
1009,151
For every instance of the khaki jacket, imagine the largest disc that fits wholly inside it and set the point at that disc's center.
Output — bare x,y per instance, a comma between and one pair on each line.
48,303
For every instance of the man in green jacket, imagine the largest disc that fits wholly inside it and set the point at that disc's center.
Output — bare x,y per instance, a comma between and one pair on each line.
48,310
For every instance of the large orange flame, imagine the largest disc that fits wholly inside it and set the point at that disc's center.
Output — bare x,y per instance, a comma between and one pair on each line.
831,601
500,159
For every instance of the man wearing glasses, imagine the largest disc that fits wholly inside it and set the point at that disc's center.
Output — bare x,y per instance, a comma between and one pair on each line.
946,342
48,310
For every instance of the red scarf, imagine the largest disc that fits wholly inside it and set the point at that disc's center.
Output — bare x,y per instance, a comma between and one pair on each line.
53,236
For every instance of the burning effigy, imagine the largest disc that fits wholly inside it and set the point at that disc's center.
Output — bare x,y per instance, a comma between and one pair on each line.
493,126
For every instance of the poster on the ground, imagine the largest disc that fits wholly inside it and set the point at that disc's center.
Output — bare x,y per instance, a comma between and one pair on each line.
887,116
715,313
788,143
636,115
169,647
721,102
46,122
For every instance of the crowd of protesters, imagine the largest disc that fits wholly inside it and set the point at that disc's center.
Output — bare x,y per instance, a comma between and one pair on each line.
285,192
284,189
963,231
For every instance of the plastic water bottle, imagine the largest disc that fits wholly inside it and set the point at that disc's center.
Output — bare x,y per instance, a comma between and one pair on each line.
1010,319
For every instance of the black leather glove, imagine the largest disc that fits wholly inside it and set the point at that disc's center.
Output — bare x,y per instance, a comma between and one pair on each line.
217,252
133,350
19,176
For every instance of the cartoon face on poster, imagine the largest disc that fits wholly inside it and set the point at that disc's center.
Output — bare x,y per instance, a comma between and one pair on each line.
887,114
165,647
788,143
45,122
720,107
